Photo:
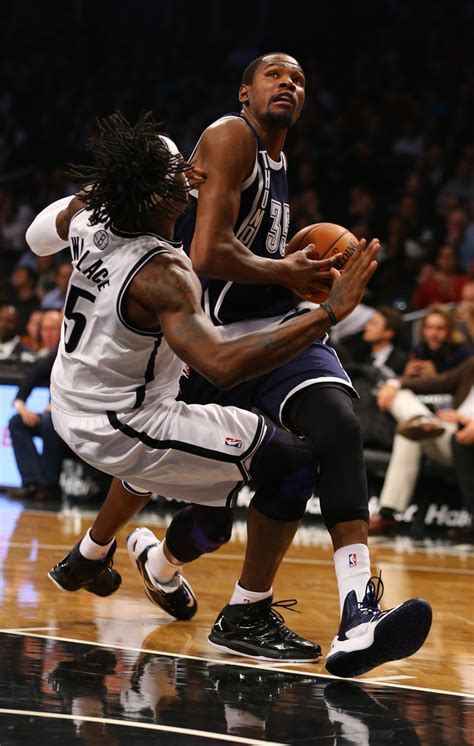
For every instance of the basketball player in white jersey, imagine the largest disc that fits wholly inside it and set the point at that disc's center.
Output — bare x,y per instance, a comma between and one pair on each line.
132,316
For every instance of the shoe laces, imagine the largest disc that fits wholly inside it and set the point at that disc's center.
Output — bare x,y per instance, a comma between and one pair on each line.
373,594
287,603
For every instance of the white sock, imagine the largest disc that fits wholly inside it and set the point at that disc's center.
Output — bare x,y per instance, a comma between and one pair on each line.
352,565
91,550
159,566
242,596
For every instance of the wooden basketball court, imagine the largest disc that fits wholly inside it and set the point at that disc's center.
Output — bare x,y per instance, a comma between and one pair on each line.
74,662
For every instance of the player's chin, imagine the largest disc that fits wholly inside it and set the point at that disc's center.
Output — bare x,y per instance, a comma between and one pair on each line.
280,118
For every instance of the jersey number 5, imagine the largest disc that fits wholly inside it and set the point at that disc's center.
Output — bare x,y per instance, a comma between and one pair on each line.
78,318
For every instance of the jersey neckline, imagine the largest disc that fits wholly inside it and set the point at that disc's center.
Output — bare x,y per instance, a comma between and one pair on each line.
136,234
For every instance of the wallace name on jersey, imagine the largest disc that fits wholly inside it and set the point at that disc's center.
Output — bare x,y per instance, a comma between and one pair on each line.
95,271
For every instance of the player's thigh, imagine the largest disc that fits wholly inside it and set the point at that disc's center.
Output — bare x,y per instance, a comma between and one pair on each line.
198,453
318,364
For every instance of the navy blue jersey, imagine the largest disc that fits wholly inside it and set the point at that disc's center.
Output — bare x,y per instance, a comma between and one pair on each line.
262,225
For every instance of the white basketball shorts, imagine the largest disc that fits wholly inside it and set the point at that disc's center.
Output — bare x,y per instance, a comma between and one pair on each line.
198,453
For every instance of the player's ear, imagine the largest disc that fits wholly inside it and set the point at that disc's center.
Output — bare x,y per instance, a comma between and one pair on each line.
244,94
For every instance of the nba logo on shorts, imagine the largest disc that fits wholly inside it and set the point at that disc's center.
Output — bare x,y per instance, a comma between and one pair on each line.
233,442
352,559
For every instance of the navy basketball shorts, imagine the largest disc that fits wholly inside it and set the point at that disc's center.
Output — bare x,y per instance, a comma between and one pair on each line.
318,364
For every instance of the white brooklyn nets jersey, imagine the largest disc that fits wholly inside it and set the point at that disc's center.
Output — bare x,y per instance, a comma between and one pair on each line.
104,363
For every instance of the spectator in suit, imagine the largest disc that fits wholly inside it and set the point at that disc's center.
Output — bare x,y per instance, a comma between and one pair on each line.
381,333
11,346
32,338
449,439
25,298
39,471
56,298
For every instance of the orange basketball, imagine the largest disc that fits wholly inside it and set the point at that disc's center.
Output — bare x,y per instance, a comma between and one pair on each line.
328,239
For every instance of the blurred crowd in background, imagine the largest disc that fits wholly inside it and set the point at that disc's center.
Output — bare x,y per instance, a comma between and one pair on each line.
385,144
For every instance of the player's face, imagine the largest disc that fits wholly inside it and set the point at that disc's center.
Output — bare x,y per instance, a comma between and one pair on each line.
276,94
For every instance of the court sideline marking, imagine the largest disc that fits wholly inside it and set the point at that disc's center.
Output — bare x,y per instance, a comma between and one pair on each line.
220,661
157,522
286,560
146,726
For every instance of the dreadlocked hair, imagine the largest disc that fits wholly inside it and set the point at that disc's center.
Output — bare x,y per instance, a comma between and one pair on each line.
132,171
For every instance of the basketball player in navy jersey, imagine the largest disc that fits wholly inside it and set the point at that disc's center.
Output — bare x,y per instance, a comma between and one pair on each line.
132,316
235,232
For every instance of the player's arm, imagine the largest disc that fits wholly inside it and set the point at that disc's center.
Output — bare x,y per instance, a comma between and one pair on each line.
227,153
48,233
168,291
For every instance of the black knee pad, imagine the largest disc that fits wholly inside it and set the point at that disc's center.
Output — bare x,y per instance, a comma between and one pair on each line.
198,530
286,501
284,470
326,417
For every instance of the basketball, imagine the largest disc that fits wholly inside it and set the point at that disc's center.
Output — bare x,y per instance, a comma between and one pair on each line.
328,239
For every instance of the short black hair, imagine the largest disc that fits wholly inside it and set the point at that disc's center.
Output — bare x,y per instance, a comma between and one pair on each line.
132,171
252,67
393,319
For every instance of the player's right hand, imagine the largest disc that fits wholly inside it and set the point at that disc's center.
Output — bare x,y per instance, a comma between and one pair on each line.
307,275
348,289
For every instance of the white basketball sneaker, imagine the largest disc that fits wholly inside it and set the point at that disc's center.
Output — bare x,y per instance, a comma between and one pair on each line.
368,636
176,597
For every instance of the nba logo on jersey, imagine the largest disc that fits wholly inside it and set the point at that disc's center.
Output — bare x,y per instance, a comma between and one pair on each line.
352,559
233,442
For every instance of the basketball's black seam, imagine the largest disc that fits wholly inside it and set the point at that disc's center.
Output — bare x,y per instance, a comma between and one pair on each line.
333,244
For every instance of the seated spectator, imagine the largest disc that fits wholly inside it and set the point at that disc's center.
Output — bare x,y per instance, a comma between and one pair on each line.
15,217
448,440
442,283
25,297
381,332
379,360
461,185
11,344
393,282
465,312
55,299
39,471
32,338
456,235
46,267
440,347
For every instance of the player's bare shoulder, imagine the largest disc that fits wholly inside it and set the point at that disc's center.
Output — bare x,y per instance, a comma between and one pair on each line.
166,283
228,142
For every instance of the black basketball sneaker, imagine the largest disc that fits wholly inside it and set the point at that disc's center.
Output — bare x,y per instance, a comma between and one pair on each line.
250,688
368,636
176,597
74,572
258,631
